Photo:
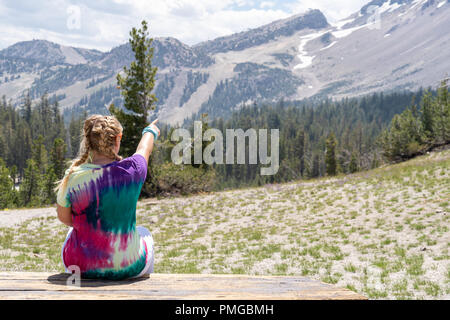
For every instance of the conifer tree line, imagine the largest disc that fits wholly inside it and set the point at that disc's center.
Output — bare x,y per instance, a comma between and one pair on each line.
420,128
316,139
34,149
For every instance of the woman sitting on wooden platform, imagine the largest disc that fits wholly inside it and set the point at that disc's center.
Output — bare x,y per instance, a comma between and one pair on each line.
97,199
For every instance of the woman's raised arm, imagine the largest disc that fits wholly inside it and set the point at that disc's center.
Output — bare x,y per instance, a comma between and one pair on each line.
145,146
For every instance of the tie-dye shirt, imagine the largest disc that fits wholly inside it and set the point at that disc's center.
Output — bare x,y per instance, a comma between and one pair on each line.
104,242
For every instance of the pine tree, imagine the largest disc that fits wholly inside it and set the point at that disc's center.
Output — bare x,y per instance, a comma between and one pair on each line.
6,187
441,123
3,148
39,154
136,88
24,144
48,181
13,173
75,132
330,157
299,148
427,115
30,188
57,159
315,172
27,108
59,130
353,166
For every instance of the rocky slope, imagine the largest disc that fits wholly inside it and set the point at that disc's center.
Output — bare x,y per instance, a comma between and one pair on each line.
387,45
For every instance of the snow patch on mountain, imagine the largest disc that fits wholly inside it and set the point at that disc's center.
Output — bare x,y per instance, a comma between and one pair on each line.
388,7
329,46
306,60
341,23
417,2
349,57
347,32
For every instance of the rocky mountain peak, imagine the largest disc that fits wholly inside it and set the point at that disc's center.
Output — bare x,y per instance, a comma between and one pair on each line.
49,52
312,19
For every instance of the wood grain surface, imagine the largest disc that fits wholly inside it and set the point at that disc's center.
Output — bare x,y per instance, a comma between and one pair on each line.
37,285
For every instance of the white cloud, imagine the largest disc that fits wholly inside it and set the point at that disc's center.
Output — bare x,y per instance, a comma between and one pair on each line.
193,22
106,23
267,4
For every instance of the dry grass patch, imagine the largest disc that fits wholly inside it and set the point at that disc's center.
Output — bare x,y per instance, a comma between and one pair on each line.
383,233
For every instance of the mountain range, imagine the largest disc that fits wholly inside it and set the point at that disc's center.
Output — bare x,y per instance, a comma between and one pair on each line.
387,45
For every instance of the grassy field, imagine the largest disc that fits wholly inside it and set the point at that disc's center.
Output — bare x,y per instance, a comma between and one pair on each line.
382,233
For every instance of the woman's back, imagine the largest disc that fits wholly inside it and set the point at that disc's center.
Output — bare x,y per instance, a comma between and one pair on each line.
104,242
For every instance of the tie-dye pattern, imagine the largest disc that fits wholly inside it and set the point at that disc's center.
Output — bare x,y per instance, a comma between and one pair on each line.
104,242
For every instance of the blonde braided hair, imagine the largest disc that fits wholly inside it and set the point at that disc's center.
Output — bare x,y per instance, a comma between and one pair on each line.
99,134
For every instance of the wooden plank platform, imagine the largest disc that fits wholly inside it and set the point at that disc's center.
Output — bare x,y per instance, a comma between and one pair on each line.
37,285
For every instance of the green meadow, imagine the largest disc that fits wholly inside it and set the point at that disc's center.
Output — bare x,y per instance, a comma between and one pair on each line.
383,233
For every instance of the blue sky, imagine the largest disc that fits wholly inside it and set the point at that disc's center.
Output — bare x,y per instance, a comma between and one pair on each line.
104,24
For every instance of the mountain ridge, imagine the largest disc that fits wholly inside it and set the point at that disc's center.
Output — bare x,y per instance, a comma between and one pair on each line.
313,19
289,58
